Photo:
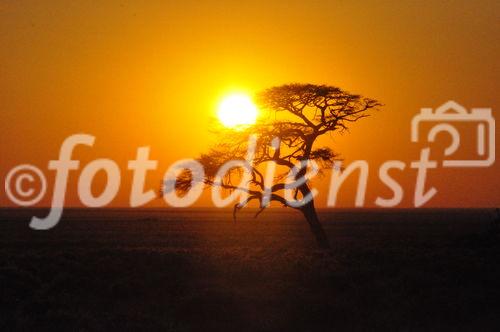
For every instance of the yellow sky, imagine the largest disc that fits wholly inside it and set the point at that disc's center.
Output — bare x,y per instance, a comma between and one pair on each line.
135,74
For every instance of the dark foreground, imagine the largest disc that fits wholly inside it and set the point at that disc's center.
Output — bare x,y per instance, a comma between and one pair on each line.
196,270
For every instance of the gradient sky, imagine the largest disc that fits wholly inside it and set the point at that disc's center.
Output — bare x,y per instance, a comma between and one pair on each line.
135,74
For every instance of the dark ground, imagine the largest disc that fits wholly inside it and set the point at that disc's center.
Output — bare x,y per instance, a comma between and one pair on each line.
196,270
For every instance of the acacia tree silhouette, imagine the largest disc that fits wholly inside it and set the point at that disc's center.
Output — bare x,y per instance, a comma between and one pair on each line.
296,114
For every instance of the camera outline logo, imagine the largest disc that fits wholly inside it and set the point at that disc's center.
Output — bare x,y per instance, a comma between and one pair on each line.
450,112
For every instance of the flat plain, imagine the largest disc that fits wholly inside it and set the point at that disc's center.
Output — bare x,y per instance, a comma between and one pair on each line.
197,270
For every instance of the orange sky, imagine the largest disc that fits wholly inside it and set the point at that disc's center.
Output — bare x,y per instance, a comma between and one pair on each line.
135,74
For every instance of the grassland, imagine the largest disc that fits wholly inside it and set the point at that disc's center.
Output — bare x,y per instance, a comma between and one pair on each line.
196,270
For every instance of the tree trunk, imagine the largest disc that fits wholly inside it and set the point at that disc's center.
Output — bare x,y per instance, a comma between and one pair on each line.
309,212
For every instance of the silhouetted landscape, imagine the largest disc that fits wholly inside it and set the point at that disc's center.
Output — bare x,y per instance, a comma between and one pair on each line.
309,166
196,269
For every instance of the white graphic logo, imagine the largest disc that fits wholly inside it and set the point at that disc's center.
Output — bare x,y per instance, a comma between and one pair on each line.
25,185
451,112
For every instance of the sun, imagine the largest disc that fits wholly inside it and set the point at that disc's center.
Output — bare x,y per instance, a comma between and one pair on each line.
237,110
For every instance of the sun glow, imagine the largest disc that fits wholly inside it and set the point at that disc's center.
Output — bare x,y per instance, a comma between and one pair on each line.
237,110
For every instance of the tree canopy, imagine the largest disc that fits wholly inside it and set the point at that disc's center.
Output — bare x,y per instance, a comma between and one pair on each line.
292,117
